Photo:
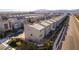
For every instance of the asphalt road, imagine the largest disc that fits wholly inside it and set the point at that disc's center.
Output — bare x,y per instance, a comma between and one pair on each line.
71,41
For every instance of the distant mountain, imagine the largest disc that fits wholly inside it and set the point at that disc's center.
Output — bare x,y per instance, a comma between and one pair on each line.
7,10
42,11
54,11
39,11
67,11
75,11
10,11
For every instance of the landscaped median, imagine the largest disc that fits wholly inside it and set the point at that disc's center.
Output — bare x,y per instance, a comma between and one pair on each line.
19,44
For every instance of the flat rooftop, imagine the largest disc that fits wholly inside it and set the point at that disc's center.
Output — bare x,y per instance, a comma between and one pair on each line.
58,18
44,23
52,20
48,21
37,26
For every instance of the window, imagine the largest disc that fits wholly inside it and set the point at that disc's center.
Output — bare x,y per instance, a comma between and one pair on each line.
40,35
6,26
10,24
31,34
40,30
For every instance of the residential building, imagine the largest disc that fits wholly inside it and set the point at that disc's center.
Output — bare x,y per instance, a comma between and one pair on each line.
34,32
37,31
16,23
5,25
51,24
9,24
47,27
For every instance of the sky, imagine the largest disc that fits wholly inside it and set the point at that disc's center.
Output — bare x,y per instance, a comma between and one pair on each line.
30,5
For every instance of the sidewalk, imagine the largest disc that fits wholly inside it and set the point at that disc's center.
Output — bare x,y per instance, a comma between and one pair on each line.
4,42
7,46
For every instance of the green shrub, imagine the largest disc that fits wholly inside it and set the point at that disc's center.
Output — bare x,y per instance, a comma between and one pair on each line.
31,45
1,36
48,44
19,44
14,39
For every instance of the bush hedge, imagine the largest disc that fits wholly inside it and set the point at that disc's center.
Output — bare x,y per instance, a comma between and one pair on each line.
1,36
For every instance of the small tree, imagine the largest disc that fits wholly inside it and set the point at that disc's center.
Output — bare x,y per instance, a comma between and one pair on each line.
19,44
14,39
